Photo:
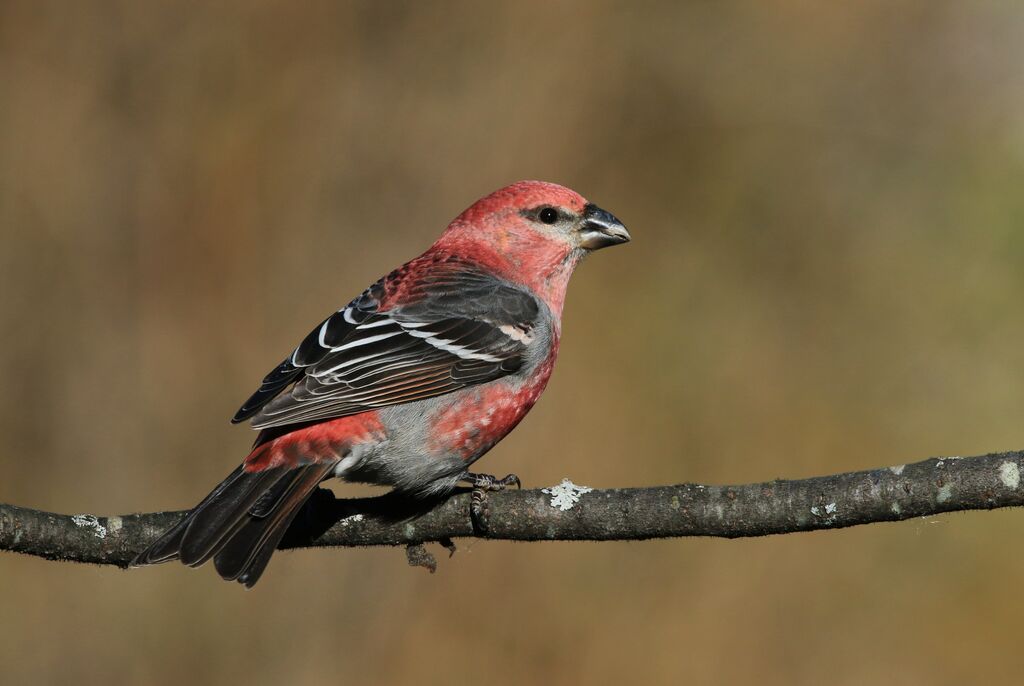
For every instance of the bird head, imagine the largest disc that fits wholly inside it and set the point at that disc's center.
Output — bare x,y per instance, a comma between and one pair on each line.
533,233
543,214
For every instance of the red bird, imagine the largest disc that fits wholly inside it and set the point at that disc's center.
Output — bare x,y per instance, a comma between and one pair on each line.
411,382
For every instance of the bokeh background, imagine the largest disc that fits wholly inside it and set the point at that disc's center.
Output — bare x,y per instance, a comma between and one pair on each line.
826,275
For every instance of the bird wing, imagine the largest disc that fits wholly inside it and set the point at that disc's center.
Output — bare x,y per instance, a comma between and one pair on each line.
412,335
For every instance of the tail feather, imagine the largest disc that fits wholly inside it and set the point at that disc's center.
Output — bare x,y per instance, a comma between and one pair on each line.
215,522
165,549
240,523
168,546
258,537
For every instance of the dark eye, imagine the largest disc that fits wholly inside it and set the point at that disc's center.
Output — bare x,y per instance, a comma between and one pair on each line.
548,215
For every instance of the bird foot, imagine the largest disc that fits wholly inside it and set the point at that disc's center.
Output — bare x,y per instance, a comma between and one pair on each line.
479,507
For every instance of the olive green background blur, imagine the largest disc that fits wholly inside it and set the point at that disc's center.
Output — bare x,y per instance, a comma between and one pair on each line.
826,275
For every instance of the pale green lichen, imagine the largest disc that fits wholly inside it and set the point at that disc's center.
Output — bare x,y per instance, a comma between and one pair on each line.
565,495
91,522
828,512
1009,474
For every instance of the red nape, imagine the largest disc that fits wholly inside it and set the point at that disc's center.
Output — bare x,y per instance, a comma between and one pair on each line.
324,442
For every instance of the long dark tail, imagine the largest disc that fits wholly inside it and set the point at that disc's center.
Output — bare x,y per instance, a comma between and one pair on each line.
240,523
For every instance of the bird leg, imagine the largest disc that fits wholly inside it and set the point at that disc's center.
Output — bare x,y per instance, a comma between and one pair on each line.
479,508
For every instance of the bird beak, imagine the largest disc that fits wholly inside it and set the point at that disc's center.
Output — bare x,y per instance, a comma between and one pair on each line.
601,229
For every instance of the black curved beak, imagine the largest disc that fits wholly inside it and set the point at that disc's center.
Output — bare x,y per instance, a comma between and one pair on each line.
601,229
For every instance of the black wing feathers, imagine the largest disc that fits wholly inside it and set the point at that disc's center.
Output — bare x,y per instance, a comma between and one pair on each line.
273,383
328,334
460,327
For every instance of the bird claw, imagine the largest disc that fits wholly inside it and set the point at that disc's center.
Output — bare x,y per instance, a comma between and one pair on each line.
489,482
479,507
449,545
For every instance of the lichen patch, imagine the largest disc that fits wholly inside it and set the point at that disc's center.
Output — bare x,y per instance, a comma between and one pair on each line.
565,495
826,512
1009,474
91,522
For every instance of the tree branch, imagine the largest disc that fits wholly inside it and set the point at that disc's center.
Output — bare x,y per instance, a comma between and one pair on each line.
775,507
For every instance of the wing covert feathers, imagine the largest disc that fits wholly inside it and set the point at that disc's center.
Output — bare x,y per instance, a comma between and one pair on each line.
452,327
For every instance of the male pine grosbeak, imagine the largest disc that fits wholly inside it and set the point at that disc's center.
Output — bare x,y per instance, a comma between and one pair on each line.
411,382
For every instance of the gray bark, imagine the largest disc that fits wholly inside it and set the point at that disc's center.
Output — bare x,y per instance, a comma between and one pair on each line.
888,494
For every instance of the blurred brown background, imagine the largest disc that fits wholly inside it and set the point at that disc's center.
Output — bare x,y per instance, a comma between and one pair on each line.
826,275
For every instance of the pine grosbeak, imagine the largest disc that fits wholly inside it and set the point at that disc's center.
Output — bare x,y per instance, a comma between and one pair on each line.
411,382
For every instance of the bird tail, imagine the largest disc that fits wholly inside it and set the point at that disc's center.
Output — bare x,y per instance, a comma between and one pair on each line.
240,523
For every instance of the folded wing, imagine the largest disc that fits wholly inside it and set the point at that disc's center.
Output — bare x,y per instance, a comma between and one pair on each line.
452,328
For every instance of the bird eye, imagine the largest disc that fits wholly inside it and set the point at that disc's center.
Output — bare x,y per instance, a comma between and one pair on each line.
548,215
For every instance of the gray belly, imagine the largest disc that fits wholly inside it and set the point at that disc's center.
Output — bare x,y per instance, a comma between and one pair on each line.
407,460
